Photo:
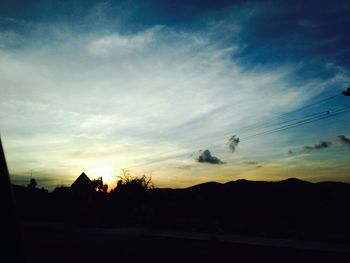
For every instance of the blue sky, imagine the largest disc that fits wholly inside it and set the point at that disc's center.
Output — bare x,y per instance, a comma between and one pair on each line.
103,86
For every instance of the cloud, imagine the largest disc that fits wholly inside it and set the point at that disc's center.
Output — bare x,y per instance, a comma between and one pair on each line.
256,164
117,44
318,146
149,92
233,142
251,162
308,23
184,167
9,39
206,157
343,139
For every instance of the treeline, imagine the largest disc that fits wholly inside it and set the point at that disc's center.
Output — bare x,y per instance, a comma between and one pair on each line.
290,209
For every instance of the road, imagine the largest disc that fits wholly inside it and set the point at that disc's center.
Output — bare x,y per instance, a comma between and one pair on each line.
61,243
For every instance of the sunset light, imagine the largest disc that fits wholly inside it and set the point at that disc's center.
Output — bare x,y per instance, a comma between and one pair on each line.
175,130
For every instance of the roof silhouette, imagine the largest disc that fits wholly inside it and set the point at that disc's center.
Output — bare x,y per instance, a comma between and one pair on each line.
82,183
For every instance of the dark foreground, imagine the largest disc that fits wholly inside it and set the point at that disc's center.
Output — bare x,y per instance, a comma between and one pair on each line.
290,209
60,243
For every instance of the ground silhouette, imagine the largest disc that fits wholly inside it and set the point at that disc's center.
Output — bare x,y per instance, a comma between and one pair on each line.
290,208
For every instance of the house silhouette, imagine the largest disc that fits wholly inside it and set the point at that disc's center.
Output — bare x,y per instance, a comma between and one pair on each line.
82,184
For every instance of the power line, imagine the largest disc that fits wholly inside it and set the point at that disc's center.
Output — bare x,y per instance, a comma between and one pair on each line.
327,114
273,125
303,122
267,125
288,124
283,115
313,104
295,121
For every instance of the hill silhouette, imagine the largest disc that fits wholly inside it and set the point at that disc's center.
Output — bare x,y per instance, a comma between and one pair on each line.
290,208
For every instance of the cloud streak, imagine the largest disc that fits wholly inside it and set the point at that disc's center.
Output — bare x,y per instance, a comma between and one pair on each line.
318,146
342,139
127,96
251,162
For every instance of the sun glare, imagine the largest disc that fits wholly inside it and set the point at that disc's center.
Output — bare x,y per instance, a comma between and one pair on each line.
105,171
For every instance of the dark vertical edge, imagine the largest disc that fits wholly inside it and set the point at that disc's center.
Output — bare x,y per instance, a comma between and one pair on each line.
10,238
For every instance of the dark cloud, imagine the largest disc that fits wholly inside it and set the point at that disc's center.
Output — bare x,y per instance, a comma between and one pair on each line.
206,157
318,146
322,145
233,142
343,139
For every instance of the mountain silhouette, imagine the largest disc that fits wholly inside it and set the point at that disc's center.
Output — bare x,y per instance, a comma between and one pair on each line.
290,208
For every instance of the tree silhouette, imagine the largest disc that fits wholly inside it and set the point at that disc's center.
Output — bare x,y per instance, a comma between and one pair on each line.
128,181
99,186
32,184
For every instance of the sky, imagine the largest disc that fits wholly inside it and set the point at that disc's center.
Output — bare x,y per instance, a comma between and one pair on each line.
160,87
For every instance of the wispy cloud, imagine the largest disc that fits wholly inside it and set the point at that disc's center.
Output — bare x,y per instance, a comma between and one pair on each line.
116,44
251,162
10,39
148,96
